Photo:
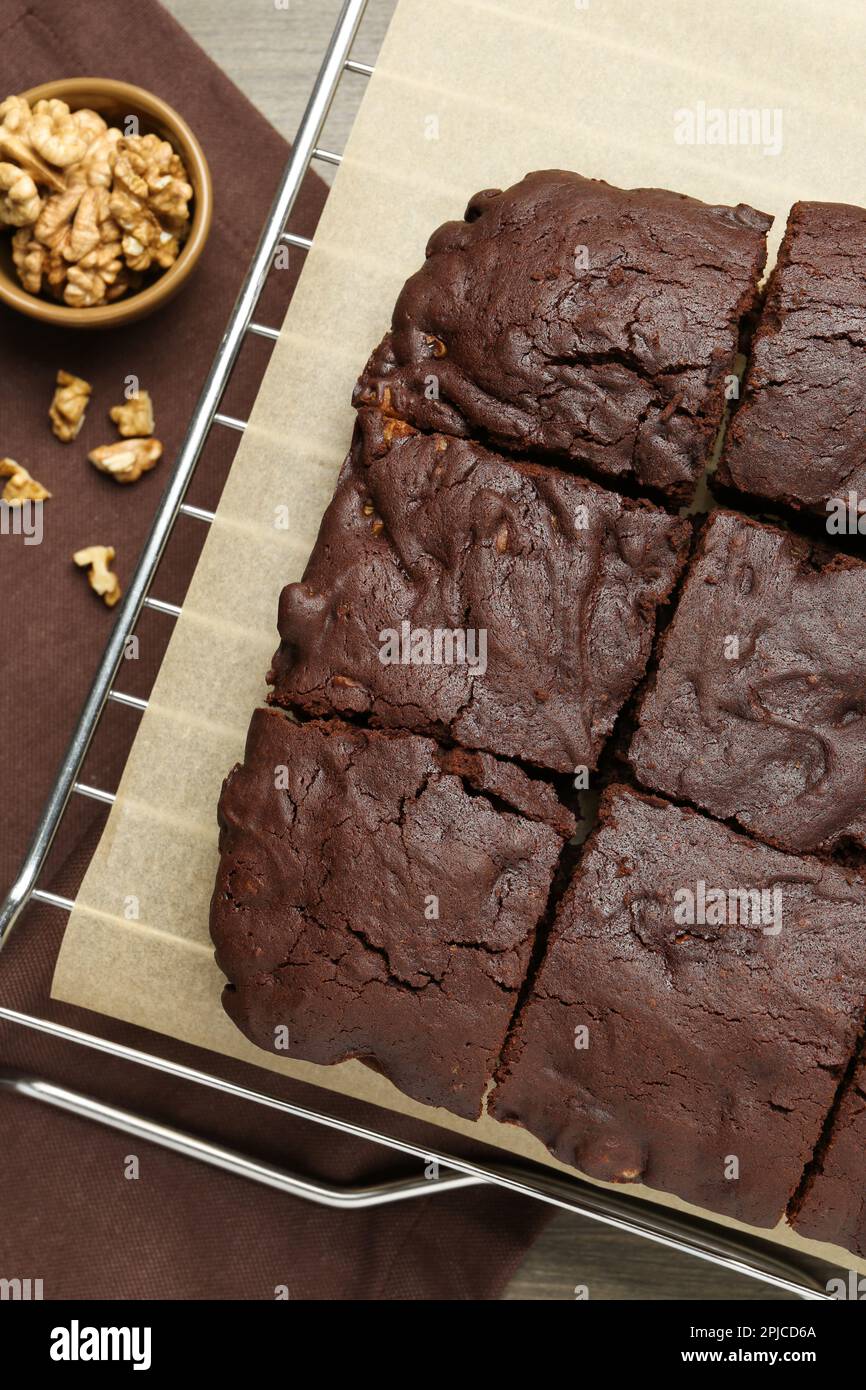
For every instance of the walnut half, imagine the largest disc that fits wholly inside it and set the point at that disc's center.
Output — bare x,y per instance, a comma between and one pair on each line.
127,459
102,580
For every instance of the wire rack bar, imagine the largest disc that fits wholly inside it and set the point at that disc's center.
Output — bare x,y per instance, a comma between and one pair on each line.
157,605
53,899
229,1160
93,793
261,330
131,701
230,422
200,513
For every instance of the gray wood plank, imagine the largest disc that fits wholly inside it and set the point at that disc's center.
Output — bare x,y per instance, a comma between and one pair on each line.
576,1254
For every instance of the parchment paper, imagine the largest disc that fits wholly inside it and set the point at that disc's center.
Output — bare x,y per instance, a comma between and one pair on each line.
467,94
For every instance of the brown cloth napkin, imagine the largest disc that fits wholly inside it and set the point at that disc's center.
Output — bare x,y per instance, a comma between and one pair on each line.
70,1216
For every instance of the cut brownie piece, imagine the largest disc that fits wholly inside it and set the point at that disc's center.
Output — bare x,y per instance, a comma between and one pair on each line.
799,436
377,897
591,323
696,1008
501,605
757,711
832,1203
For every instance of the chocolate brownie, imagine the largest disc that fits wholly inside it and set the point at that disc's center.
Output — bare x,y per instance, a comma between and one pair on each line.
799,436
377,897
832,1203
757,710
694,1013
501,605
593,324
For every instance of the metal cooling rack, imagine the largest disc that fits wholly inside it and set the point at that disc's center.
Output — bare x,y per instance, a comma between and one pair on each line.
737,1252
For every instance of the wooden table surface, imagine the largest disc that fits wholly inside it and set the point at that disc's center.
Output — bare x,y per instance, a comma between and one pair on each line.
273,53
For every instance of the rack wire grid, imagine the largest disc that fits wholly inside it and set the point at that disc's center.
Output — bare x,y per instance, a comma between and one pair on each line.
735,1251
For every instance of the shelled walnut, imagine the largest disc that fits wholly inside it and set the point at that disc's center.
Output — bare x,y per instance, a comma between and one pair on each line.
150,201
16,146
101,578
20,487
134,418
69,406
92,209
55,134
20,203
96,169
127,459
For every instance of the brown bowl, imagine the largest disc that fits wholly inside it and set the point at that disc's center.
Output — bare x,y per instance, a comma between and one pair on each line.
114,101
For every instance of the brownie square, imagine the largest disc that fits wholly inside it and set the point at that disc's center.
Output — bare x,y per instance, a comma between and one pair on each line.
832,1203
595,325
757,710
542,588
799,436
377,897
713,1042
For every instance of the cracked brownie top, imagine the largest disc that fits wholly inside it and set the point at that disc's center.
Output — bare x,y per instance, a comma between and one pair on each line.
501,605
593,324
377,897
758,708
799,435
695,1011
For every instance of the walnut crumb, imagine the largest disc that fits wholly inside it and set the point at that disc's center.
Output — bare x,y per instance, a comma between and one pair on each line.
396,429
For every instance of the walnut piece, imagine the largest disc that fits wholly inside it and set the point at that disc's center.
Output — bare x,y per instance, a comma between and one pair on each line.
85,231
127,459
100,577
15,115
20,487
17,152
29,257
55,134
92,246
150,201
89,124
135,417
36,264
69,406
96,169
16,146
20,203
54,223
396,429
